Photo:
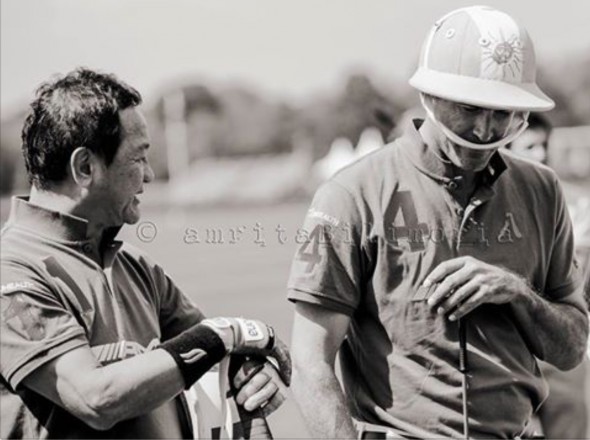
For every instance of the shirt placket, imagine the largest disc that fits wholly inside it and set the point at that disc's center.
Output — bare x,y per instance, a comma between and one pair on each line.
481,196
106,274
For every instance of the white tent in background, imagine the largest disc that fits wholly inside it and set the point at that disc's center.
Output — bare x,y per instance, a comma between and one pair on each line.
341,154
369,141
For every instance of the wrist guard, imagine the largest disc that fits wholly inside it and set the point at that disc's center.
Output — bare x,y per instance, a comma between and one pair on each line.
195,351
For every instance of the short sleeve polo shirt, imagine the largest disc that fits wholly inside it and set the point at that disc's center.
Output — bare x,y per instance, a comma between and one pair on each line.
55,297
377,229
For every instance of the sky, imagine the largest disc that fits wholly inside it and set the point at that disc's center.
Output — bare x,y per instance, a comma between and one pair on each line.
290,49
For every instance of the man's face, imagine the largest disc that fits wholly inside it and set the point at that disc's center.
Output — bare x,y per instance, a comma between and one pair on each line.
532,144
119,183
475,124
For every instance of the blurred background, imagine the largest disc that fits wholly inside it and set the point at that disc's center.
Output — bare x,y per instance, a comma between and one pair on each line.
251,105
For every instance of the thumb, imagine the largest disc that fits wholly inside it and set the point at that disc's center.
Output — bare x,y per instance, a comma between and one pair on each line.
280,353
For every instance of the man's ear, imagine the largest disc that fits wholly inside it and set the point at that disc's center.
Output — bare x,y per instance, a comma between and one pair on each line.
83,166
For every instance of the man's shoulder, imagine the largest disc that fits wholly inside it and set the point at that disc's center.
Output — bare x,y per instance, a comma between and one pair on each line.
374,168
18,248
528,170
135,254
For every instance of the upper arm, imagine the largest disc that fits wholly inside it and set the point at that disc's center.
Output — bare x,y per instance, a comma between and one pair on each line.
176,312
318,333
564,276
576,300
36,327
329,267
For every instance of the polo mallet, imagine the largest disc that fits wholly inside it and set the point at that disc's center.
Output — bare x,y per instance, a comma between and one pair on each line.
464,369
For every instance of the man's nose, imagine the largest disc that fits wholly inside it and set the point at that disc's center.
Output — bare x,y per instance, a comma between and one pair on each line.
483,128
149,174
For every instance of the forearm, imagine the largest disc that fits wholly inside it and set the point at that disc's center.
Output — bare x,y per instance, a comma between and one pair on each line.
322,402
558,331
130,388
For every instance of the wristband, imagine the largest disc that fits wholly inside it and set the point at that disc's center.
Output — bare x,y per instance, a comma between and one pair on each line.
195,351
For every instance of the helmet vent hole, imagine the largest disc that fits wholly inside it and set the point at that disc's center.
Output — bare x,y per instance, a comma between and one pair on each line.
484,42
450,33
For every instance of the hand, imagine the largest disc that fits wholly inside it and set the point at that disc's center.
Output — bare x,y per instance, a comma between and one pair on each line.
252,337
466,283
259,386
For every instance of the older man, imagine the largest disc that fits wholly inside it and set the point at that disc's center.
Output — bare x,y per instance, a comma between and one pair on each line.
96,340
440,267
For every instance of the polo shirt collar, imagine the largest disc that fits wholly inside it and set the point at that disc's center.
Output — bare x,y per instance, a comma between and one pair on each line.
54,224
431,163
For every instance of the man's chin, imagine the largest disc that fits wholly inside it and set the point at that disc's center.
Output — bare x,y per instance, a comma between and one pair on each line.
473,166
132,218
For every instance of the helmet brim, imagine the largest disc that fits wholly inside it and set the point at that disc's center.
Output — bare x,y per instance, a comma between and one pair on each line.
497,95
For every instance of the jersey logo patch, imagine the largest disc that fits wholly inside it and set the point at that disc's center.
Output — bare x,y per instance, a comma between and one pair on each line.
14,286
23,317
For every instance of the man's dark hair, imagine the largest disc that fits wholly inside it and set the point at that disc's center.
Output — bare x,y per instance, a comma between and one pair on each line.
79,109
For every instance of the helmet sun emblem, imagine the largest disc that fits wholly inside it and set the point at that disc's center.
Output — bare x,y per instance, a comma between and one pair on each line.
502,53
503,56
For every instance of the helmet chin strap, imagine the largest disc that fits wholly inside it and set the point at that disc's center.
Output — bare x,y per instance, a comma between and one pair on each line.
456,139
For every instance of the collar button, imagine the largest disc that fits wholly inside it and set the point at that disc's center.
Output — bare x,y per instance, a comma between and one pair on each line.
452,185
87,248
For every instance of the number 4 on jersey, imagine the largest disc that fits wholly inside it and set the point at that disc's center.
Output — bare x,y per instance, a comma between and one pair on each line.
312,256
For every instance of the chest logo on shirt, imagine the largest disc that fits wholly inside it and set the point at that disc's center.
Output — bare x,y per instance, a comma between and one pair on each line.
510,230
405,224
117,351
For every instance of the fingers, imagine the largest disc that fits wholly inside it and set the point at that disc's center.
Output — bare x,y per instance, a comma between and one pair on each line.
247,370
276,399
266,393
471,303
457,298
449,284
253,387
274,403
444,269
281,354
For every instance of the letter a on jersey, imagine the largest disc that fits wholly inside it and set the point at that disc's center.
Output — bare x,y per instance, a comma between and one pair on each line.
402,210
509,230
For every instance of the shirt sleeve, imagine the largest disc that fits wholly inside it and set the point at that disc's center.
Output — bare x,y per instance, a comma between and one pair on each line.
328,264
177,312
564,271
35,327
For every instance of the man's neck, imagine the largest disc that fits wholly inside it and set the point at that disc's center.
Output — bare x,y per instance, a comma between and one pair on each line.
435,140
62,201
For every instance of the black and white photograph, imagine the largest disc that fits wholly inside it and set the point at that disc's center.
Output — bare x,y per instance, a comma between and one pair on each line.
294,219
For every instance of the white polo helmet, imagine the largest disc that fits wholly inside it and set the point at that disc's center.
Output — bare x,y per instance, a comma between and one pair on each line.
480,56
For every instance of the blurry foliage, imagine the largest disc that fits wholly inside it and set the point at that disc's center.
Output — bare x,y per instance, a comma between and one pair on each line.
237,121
568,83
357,106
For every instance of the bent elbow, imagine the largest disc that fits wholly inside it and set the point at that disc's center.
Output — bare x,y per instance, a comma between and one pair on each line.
570,363
101,413
572,359
99,422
